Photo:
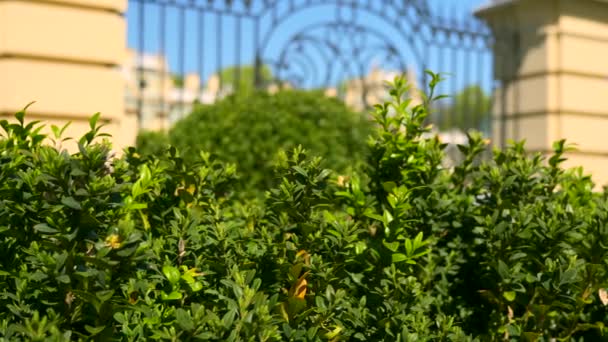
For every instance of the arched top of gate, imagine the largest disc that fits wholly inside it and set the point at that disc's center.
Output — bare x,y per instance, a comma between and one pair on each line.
404,21
365,45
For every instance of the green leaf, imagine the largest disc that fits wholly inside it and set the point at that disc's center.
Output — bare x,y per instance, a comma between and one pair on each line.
184,320
94,330
569,276
172,274
361,246
374,216
175,295
228,318
196,286
319,302
64,278
44,228
530,336
503,270
333,334
300,171
399,257
71,203
387,218
93,120
408,247
120,318
105,295
56,131
392,246
20,116
356,277
389,186
418,242
509,295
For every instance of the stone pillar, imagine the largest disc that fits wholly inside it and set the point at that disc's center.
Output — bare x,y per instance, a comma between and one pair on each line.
552,60
65,55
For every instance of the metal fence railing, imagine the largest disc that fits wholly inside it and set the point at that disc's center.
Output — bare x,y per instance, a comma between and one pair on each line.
186,51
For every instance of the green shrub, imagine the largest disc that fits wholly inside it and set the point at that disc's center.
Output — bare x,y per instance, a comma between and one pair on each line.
249,130
152,142
519,245
155,247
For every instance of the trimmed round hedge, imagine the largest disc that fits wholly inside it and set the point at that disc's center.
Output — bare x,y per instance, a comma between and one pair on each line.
250,130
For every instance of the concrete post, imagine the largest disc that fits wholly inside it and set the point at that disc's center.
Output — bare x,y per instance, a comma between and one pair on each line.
551,56
65,55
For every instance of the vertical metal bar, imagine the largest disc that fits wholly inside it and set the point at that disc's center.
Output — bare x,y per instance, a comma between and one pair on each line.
488,112
479,110
503,113
257,78
219,38
453,122
164,69
481,101
513,73
182,54
423,76
237,52
468,116
201,49
457,122
444,67
441,120
503,100
140,77
489,46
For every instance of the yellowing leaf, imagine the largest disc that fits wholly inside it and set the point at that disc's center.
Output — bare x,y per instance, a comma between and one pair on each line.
191,189
334,333
304,254
298,289
113,241
133,297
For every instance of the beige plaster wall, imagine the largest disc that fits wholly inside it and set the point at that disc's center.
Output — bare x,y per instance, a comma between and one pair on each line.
65,56
558,87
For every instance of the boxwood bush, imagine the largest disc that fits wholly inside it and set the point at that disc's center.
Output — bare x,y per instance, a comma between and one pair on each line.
249,130
155,248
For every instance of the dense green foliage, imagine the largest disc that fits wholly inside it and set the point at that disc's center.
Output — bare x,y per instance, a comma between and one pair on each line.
152,142
249,130
140,248
470,109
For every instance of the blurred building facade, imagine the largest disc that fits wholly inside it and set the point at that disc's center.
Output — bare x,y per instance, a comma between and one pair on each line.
363,92
164,97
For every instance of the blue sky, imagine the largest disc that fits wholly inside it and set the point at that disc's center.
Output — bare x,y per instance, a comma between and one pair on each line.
236,43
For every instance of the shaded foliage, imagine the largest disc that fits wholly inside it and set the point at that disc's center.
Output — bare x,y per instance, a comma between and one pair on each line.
251,130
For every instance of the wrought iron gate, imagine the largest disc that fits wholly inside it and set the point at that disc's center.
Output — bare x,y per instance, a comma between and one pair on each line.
187,51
